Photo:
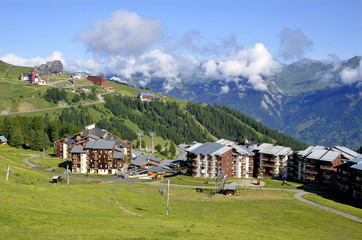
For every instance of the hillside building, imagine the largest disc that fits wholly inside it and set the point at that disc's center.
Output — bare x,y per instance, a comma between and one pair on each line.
94,151
97,80
271,160
147,96
315,165
32,77
349,177
207,160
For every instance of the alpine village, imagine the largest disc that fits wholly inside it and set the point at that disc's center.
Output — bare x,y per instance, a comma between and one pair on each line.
153,158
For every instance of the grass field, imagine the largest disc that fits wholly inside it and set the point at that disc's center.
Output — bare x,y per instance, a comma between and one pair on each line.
31,207
353,210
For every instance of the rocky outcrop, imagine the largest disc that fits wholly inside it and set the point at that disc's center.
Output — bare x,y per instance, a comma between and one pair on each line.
50,68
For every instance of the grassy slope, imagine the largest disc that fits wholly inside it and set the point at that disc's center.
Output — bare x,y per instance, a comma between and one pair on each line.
31,206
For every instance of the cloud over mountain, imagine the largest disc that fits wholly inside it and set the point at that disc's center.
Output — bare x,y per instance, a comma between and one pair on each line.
32,62
294,44
352,75
122,33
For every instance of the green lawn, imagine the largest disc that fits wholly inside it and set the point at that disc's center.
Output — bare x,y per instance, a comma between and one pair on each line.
356,211
31,207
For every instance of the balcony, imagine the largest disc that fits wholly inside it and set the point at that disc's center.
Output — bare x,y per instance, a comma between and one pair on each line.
326,167
309,177
268,164
311,171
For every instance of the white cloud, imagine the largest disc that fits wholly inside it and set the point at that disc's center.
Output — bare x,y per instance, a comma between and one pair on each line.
252,63
246,68
225,89
32,62
122,33
294,44
352,75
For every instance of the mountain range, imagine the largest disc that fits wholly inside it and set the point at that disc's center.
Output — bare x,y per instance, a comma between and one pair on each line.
306,100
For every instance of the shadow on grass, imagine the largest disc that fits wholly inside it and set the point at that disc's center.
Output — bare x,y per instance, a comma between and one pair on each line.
65,164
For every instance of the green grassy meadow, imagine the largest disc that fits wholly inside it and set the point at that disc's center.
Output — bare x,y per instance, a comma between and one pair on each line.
31,207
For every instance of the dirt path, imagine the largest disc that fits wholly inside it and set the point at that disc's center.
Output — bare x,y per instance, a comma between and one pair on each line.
100,98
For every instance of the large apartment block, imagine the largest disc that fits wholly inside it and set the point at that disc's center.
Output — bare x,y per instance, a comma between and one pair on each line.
271,160
94,151
349,177
315,165
207,160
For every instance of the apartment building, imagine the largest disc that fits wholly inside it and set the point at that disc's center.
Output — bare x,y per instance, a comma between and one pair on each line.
94,151
349,177
271,160
315,165
208,159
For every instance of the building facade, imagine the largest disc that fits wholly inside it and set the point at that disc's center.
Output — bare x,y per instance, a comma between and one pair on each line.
207,160
97,80
271,160
349,177
94,151
315,165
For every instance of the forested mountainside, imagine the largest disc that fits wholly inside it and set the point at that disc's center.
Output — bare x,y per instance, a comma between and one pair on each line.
306,100
121,114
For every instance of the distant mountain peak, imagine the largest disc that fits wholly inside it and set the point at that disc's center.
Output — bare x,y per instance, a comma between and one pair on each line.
305,62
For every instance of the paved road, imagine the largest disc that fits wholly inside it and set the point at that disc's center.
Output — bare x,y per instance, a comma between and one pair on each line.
298,193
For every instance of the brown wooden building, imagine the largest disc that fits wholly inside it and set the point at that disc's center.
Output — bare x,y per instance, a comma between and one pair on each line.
97,80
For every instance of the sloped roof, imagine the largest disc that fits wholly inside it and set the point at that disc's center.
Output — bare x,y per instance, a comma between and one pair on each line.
225,142
156,169
118,155
70,139
78,149
193,146
3,138
317,154
330,156
346,152
104,144
90,144
243,150
276,150
209,148
230,187
305,152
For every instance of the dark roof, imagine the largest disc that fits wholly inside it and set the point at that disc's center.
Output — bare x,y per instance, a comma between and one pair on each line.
90,144
3,138
207,148
78,149
230,187
118,155
70,139
94,131
104,144
149,157
158,170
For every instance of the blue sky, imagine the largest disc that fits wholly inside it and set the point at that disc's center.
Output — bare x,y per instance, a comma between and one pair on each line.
37,28
31,31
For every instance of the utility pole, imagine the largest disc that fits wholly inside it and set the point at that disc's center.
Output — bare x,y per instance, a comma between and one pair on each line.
140,134
44,153
7,174
152,134
168,195
68,175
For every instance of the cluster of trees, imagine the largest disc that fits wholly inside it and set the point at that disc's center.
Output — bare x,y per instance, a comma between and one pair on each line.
225,122
55,95
36,132
78,116
165,118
